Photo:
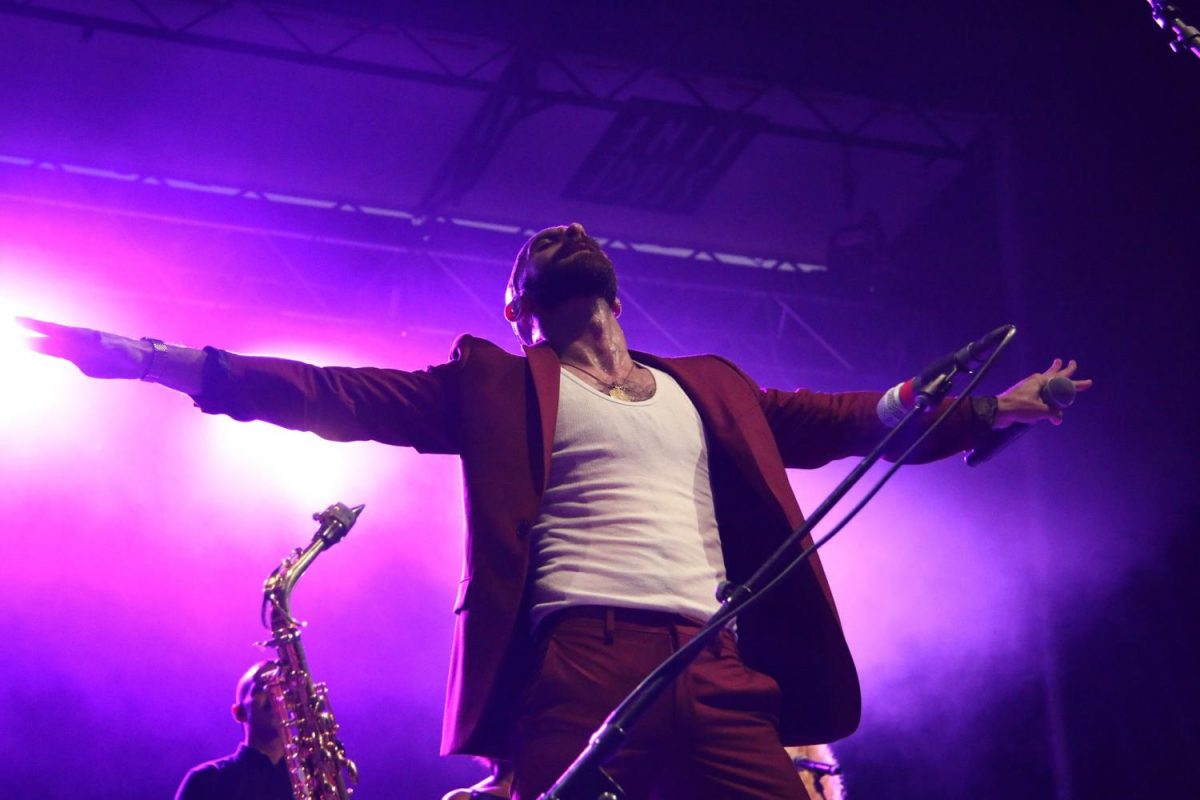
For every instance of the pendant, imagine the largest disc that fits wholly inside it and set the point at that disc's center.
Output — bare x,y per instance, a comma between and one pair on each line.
619,393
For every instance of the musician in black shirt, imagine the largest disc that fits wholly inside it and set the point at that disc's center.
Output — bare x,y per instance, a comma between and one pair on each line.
257,769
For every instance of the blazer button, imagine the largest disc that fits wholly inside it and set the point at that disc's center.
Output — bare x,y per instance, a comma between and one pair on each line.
523,528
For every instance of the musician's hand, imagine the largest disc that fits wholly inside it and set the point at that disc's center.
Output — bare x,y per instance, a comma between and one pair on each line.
1023,402
96,353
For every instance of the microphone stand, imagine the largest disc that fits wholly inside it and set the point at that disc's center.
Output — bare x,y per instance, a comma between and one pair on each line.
1184,36
585,779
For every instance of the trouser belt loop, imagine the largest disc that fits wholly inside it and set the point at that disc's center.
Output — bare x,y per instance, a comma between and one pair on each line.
610,618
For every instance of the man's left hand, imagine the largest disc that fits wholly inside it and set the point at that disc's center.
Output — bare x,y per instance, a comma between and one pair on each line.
1023,402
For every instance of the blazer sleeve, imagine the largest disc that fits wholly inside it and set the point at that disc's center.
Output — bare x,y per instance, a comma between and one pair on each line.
813,428
417,409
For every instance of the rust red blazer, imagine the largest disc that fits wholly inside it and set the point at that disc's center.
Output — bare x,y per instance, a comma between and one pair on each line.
497,411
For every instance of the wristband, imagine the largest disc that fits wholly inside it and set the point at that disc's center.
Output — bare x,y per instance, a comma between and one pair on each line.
158,347
985,411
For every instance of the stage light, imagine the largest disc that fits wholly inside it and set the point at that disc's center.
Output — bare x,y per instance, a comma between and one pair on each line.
258,458
262,460
37,390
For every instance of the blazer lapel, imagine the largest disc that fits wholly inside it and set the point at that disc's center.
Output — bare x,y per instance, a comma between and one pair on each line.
727,426
723,423
544,369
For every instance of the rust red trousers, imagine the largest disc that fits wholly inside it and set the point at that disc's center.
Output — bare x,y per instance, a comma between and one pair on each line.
714,734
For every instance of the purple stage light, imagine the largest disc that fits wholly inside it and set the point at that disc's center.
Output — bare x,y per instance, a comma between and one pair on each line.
38,404
253,458
293,466
931,592
156,524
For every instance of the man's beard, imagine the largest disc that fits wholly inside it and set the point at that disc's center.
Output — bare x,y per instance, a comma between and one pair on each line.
584,273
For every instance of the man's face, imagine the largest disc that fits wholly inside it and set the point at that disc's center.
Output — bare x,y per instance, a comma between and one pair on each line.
561,263
254,708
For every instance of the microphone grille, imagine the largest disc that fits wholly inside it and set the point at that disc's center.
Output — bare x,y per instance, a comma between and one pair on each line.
1059,392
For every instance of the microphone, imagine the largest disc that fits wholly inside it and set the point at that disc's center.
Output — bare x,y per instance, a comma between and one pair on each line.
336,521
1184,36
818,768
1058,393
902,398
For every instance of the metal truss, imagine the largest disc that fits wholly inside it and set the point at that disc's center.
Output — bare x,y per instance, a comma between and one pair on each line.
513,83
415,229
510,100
438,276
380,48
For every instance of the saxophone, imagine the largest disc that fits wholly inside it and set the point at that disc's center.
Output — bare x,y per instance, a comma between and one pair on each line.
316,759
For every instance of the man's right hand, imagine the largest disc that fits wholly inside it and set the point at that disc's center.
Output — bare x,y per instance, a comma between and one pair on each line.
96,353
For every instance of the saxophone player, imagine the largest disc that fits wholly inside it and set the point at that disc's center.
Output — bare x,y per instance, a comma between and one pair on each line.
256,770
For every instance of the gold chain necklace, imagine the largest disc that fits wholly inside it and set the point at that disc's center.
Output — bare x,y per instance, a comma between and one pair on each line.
615,390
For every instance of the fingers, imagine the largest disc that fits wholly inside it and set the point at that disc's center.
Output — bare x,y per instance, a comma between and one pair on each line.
1082,385
66,335
1058,370
49,346
49,328
1069,370
42,326
56,347
60,341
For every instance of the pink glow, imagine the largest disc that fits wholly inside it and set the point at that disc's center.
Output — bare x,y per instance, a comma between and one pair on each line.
45,407
932,592
147,529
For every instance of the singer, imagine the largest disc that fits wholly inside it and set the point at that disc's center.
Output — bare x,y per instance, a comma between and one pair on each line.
608,493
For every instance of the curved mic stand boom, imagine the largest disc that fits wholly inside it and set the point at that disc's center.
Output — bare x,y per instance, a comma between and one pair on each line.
585,779
1184,36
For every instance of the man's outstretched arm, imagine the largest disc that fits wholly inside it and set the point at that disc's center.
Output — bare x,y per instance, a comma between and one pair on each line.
416,409
813,428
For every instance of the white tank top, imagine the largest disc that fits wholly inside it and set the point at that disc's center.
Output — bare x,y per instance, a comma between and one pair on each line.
627,519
